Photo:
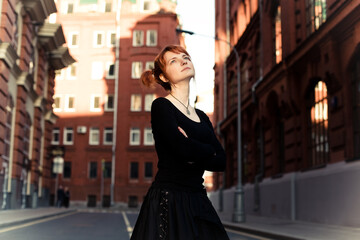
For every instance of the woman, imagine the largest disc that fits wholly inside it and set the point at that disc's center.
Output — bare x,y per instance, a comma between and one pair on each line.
176,206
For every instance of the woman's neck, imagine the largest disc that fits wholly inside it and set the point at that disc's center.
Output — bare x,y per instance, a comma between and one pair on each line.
181,93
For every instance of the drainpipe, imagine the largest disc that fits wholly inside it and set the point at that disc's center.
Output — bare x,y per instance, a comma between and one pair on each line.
260,175
116,96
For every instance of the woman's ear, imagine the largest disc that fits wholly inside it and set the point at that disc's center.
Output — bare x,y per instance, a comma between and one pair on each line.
162,78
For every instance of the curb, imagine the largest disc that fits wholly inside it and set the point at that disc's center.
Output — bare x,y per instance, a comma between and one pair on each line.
11,224
261,233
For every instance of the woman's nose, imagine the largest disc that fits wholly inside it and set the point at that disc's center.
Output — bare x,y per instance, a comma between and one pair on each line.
183,62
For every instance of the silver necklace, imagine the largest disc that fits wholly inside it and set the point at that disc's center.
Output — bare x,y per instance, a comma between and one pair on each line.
187,107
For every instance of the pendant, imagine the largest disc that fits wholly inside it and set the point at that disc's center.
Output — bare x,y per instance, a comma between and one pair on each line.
188,111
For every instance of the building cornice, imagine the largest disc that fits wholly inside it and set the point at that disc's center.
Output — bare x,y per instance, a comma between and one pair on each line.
61,58
8,54
39,10
51,117
27,82
51,36
40,103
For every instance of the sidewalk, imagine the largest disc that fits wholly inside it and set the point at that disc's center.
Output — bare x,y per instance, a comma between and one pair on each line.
280,229
14,217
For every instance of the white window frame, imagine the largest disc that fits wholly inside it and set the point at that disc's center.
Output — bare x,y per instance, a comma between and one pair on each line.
149,98
67,97
55,131
92,103
92,131
95,38
59,108
107,131
106,103
147,132
135,131
138,34
70,42
149,65
133,102
97,70
69,130
148,33
108,76
136,69
69,75
108,42
61,74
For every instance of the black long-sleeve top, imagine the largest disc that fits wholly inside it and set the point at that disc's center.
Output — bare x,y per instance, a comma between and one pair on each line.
182,160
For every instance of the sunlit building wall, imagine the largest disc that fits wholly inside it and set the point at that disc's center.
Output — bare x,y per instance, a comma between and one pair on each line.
104,112
31,50
299,74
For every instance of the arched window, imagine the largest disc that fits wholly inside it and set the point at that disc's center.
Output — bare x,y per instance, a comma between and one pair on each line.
277,41
356,106
318,126
315,14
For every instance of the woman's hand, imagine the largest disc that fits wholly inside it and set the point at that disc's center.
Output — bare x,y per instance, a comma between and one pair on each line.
183,132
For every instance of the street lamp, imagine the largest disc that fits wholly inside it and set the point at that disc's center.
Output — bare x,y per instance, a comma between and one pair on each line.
239,214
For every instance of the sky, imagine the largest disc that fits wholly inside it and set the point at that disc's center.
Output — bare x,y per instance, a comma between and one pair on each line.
198,16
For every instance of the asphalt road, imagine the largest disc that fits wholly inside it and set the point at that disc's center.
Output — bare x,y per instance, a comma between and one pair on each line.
86,226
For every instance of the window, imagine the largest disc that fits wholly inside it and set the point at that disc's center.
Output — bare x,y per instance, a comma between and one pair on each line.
67,170
92,169
108,6
318,126
135,103
97,71
69,103
111,39
94,136
98,39
147,5
55,140
138,38
59,74
149,65
95,103
149,98
151,38
148,137
68,136
148,170
107,169
108,136
109,103
73,39
355,79
70,8
57,103
71,72
277,35
136,69
134,136
315,14
134,170
244,73
110,70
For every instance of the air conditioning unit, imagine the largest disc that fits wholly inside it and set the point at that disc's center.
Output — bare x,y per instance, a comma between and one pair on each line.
81,129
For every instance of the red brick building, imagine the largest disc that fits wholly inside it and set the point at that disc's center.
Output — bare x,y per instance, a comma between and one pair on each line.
299,73
104,112
30,52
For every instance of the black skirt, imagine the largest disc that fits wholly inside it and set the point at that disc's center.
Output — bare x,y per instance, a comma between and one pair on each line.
177,214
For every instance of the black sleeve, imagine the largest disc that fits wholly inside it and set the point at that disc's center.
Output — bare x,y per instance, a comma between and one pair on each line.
165,129
217,162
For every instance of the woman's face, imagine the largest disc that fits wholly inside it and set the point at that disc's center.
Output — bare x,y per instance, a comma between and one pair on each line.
178,67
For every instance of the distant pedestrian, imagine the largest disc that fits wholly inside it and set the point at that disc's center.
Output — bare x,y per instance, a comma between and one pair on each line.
66,197
176,206
60,196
